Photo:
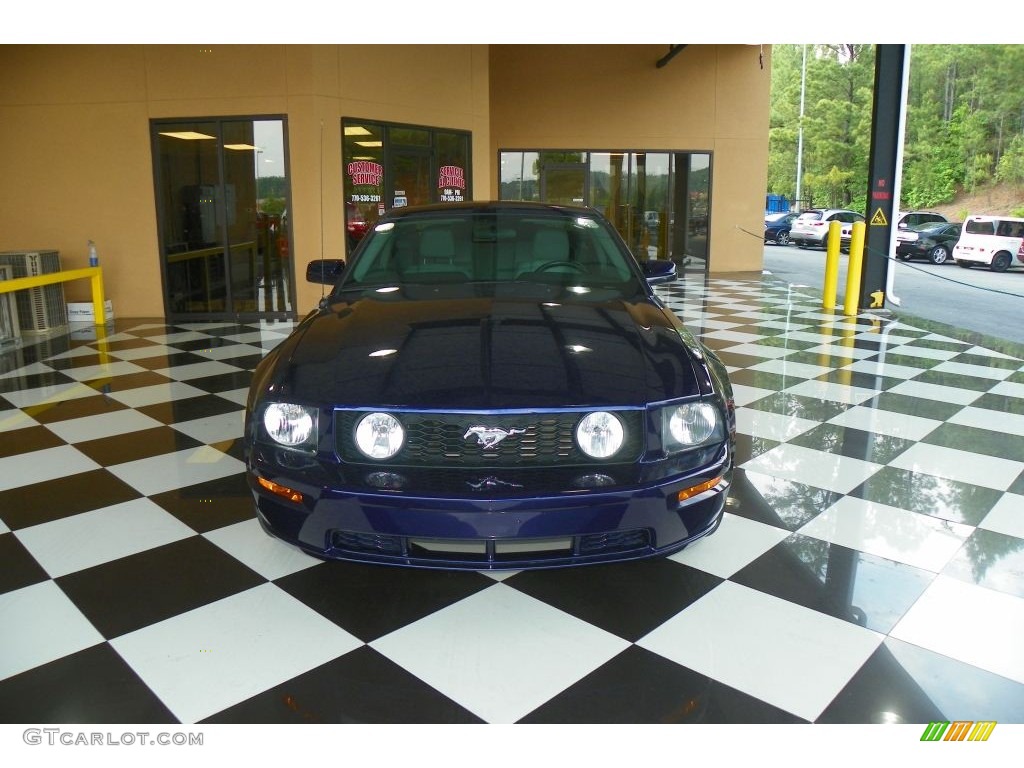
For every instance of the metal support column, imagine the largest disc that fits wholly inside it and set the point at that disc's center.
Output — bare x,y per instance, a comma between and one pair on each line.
883,180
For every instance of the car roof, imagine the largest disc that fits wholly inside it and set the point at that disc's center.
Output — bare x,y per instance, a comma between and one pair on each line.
985,217
830,210
490,206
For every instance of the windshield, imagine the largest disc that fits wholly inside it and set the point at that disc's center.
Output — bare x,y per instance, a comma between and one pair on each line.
493,247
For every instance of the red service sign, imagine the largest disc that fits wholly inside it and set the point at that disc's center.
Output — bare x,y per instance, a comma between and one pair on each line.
366,172
451,176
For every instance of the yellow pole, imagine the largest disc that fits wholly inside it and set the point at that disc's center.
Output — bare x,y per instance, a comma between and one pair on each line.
99,312
853,270
95,275
828,297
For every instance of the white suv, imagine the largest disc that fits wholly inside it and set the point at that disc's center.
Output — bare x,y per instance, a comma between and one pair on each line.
811,227
992,241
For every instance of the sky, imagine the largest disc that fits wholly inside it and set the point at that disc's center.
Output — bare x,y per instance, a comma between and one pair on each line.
479,21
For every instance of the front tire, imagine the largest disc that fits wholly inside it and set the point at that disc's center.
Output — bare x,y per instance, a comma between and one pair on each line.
1000,262
938,255
782,238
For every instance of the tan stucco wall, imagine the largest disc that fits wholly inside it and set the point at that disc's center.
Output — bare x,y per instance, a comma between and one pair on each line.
74,133
709,98
77,162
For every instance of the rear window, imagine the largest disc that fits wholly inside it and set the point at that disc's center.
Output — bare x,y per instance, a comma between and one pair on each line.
810,216
1000,228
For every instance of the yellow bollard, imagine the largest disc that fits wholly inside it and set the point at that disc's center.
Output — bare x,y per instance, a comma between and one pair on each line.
828,296
853,269
96,282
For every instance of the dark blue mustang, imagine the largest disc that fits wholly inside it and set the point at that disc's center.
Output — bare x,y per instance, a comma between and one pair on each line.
490,385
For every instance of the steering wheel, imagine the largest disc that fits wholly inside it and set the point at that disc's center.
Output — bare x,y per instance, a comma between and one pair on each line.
553,264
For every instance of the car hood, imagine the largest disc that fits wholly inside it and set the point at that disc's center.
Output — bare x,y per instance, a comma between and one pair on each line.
486,353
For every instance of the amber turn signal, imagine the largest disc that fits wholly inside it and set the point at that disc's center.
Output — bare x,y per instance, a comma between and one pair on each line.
280,490
697,489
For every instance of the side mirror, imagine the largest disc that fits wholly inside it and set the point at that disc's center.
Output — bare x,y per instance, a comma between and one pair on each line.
325,271
659,271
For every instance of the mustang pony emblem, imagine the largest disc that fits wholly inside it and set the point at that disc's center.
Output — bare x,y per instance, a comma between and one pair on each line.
490,484
489,437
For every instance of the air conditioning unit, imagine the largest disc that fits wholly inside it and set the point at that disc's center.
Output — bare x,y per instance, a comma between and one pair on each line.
9,332
39,309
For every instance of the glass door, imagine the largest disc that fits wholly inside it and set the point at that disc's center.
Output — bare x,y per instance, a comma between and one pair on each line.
410,176
691,209
649,198
222,191
564,183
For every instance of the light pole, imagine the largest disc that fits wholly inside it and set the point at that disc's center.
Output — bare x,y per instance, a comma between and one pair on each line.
800,131
258,153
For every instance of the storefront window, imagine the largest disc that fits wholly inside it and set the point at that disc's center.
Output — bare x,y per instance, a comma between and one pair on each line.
364,179
391,166
608,172
452,156
410,137
651,205
520,176
658,201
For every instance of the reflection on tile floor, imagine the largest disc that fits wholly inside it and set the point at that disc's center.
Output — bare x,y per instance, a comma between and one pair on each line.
870,565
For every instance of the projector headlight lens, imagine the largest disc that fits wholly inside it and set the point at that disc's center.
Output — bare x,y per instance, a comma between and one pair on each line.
600,434
379,435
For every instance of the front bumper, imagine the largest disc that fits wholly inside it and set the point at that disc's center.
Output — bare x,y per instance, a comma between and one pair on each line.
480,531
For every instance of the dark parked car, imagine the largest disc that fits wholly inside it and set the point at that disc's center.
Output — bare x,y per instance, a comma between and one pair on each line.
933,241
490,385
776,227
910,219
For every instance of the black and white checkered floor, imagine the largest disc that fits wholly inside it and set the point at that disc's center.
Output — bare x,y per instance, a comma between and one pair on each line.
870,567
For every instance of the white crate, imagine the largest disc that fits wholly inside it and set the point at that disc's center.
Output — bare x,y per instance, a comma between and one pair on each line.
82,311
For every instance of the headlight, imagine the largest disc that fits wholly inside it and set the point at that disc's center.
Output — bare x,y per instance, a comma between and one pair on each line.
600,434
688,425
379,435
289,424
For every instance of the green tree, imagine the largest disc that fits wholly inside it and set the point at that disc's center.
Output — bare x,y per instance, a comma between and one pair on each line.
964,121
837,102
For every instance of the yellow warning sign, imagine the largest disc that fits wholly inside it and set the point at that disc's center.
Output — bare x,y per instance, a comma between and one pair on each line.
878,220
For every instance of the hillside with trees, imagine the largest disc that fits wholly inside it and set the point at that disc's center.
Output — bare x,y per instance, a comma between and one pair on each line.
964,142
